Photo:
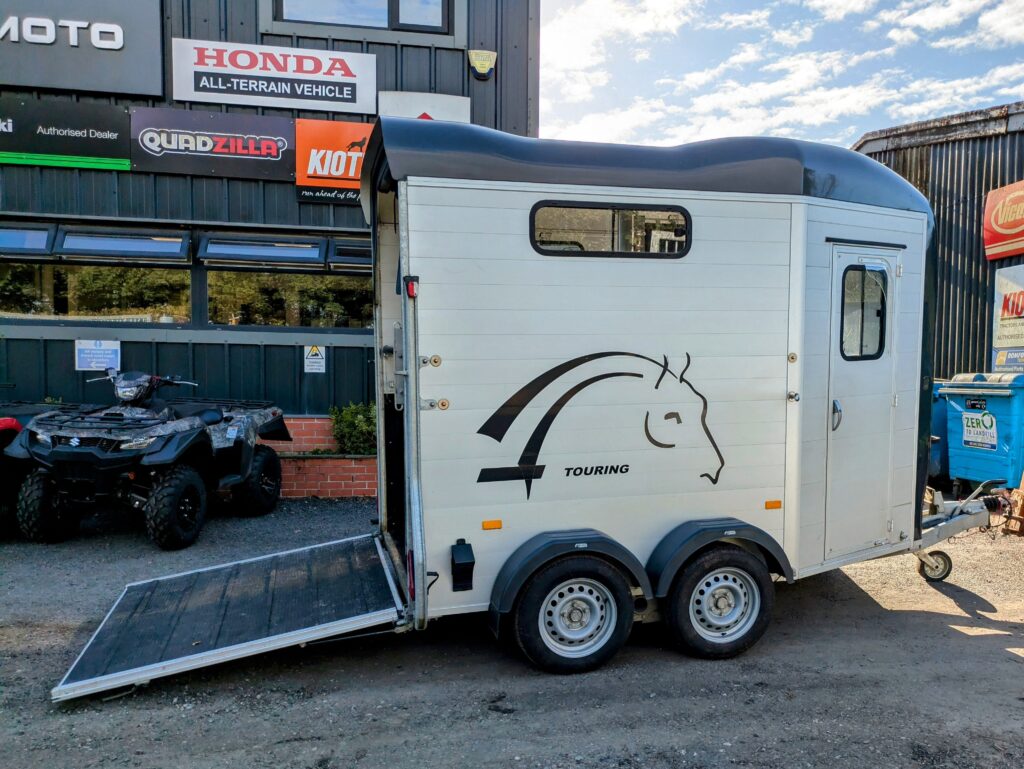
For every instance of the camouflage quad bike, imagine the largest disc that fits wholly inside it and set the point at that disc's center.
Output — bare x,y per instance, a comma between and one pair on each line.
163,457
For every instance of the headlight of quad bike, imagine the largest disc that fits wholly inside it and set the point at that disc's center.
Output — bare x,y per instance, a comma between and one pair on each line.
138,443
42,438
130,392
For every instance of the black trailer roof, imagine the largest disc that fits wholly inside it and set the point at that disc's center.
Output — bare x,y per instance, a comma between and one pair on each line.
429,148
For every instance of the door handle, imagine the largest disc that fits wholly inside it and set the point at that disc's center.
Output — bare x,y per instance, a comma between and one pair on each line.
837,415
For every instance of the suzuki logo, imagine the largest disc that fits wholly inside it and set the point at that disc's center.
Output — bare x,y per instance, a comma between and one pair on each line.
74,442
7,126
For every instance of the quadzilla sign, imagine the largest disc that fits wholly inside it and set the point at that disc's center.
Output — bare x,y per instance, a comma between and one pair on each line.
1004,222
291,78
212,144
329,159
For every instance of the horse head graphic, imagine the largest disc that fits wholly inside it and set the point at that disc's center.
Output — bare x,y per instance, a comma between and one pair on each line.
658,423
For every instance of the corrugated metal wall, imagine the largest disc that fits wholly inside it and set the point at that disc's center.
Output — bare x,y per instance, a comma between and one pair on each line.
956,176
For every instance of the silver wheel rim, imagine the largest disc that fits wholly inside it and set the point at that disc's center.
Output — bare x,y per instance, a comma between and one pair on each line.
577,618
724,605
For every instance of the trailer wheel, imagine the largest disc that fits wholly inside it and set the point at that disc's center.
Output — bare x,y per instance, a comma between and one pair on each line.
944,567
573,615
720,603
42,515
176,508
258,494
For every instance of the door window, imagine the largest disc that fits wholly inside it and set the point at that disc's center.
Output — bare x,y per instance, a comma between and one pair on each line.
864,309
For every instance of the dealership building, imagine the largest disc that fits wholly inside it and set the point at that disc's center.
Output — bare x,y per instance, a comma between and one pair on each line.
178,180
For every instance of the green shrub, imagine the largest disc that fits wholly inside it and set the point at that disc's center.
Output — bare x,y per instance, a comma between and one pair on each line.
355,428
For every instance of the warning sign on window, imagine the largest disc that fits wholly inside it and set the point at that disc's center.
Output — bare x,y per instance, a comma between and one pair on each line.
315,360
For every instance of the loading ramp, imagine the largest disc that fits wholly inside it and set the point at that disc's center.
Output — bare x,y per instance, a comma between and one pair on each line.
199,618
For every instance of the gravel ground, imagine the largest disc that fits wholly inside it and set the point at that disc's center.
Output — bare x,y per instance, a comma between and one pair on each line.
867,666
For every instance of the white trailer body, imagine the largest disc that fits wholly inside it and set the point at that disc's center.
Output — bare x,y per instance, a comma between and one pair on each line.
773,424
614,384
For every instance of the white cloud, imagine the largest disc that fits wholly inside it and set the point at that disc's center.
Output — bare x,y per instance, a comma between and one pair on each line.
1000,26
616,126
793,35
575,39
641,54
834,10
933,97
950,13
748,53
902,36
752,20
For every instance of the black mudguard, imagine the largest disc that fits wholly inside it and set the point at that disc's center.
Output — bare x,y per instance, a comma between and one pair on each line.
546,547
679,545
274,430
176,446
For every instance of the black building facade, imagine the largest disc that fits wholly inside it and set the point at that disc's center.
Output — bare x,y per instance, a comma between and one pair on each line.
176,180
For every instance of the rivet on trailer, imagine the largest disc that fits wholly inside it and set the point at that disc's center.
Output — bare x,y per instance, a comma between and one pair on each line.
735,327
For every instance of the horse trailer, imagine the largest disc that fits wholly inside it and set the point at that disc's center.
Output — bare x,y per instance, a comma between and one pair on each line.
615,384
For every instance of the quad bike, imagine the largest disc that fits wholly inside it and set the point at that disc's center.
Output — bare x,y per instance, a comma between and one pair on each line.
165,458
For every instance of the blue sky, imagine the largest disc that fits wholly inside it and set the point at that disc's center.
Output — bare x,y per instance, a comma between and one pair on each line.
673,71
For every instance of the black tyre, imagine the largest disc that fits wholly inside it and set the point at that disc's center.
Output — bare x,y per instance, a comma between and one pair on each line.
176,508
258,494
42,515
573,615
938,574
720,603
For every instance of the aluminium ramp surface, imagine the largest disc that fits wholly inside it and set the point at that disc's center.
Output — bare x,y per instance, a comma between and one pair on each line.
199,618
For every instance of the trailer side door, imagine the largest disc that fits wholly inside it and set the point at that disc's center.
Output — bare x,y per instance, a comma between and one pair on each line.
861,401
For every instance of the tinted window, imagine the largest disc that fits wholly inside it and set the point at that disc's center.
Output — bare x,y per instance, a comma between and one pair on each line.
863,312
281,299
75,292
580,229
24,240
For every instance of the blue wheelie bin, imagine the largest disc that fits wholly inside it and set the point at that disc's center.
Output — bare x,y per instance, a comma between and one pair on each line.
985,427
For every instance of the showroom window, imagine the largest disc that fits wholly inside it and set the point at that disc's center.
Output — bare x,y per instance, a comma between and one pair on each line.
288,299
70,292
417,15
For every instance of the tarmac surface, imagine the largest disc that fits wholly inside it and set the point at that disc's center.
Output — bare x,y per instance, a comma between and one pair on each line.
869,666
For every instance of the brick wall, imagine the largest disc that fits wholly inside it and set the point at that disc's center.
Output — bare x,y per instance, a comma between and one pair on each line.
328,477
308,434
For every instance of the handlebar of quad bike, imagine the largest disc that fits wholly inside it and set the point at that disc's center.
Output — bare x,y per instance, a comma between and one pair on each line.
160,380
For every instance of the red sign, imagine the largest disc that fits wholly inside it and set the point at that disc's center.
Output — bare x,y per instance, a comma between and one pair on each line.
1004,222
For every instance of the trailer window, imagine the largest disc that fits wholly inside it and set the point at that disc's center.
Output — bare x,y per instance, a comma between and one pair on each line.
863,329
592,229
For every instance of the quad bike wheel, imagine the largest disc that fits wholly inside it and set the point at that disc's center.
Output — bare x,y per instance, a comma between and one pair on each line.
176,508
43,516
258,494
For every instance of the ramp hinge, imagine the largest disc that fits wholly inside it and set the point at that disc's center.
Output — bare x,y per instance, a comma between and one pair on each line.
895,400
899,270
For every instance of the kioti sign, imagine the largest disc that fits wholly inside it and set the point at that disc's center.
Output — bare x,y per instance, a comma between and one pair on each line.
328,160
1004,222
292,78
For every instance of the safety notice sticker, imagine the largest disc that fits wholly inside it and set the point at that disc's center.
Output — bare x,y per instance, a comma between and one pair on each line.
314,360
980,430
97,354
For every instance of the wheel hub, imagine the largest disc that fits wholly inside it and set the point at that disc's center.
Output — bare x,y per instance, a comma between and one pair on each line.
724,605
577,618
